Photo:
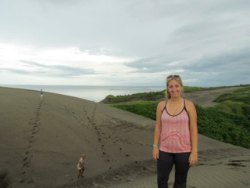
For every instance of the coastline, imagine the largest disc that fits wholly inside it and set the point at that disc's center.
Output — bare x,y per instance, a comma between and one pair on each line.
92,93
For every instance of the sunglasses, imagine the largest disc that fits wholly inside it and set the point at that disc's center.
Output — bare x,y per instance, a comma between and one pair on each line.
175,76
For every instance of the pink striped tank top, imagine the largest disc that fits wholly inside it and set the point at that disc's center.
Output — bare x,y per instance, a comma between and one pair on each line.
175,134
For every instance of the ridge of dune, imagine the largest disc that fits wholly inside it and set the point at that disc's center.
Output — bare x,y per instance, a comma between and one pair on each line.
206,98
41,142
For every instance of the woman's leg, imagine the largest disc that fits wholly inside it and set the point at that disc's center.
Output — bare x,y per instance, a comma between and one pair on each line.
181,169
164,167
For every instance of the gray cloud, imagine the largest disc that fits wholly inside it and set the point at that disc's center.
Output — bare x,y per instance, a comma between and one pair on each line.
57,70
15,71
224,69
60,2
154,64
233,61
134,28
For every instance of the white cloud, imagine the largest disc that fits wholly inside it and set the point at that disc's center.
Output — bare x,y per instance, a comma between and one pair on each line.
117,41
49,63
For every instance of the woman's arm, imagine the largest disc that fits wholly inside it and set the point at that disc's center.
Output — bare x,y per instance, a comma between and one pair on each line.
193,159
157,130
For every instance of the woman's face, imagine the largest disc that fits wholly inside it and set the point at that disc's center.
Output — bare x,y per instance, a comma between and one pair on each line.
174,88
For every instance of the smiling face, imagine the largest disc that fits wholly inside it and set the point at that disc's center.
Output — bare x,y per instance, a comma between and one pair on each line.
174,88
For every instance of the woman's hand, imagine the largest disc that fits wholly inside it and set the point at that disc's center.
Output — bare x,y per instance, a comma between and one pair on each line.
155,153
193,158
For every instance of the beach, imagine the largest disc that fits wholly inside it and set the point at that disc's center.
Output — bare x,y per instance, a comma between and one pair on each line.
41,141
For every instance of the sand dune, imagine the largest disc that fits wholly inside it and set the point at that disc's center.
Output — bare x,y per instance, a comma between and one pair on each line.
206,98
41,141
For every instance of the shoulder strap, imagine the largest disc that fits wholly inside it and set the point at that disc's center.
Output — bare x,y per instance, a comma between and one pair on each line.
187,112
185,105
164,106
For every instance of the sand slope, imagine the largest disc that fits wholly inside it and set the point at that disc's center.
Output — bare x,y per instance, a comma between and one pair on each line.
41,141
205,98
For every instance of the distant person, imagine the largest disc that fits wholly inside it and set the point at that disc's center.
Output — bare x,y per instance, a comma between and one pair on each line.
81,165
41,94
176,135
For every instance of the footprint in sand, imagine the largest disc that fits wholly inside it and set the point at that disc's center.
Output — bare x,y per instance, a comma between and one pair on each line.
99,134
236,163
26,162
25,159
23,172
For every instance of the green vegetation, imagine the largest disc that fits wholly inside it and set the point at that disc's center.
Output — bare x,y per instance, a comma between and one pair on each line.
240,95
146,96
224,126
150,96
236,103
188,89
145,108
229,121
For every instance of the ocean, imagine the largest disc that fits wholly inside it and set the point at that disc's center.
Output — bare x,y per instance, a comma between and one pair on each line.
92,93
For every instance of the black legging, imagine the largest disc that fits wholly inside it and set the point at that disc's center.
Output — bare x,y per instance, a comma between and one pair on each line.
164,167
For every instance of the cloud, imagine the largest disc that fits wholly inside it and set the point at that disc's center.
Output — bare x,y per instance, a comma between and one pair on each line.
56,70
127,40
16,71
39,69
233,61
230,68
155,64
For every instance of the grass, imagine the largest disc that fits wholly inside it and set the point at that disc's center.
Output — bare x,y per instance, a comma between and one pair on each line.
240,95
146,96
145,108
149,96
224,126
229,121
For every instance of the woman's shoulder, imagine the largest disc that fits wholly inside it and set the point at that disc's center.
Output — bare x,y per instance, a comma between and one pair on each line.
189,104
161,104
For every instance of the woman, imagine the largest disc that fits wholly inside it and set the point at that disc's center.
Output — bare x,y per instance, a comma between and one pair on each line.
176,135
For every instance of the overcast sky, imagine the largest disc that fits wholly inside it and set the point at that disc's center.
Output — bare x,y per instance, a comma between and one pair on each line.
124,42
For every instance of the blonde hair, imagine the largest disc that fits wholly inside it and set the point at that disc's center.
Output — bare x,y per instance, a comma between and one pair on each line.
170,78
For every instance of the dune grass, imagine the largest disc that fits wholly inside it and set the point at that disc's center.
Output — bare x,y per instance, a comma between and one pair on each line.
145,96
144,108
223,126
151,96
229,121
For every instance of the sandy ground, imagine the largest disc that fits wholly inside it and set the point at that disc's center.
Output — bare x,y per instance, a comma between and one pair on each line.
41,141
206,98
230,173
